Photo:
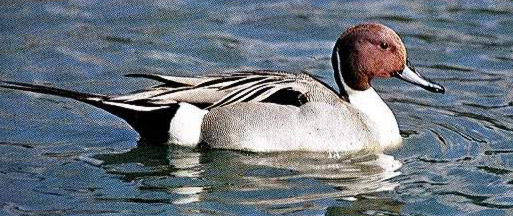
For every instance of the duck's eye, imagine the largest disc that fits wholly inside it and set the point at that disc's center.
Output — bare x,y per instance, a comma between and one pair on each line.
383,45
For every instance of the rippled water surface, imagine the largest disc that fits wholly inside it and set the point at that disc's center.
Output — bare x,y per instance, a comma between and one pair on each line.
60,157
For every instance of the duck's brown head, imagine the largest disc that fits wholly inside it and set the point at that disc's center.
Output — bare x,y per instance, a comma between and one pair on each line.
371,50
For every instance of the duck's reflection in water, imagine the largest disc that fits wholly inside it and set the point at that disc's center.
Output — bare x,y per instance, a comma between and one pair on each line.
319,175
263,179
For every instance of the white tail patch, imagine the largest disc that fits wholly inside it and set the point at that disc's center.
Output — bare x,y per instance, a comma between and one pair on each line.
185,127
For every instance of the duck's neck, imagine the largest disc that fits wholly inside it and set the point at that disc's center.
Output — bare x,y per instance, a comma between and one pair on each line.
380,118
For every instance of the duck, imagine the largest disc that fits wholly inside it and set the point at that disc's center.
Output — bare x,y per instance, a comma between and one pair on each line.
269,110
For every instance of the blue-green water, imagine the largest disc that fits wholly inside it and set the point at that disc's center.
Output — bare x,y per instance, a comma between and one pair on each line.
61,157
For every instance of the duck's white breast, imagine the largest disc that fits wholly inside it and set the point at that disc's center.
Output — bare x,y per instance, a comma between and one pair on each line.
261,127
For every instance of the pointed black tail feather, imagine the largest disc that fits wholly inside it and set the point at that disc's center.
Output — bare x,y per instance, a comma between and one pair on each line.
51,91
151,122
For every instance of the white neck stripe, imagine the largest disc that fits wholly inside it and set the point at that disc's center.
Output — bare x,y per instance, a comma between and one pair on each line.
348,89
339,67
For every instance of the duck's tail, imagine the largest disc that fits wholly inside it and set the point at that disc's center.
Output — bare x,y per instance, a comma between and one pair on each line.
150,121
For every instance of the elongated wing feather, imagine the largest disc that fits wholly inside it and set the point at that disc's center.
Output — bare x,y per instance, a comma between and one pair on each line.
170,81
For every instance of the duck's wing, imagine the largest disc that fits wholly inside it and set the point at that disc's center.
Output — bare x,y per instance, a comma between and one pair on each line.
221,90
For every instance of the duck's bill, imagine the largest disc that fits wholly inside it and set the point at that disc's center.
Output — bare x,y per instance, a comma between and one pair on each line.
411,76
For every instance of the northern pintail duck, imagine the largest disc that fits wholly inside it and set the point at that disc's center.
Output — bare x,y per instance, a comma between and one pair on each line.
272,110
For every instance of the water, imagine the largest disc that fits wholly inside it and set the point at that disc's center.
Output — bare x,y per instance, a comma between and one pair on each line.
60,157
